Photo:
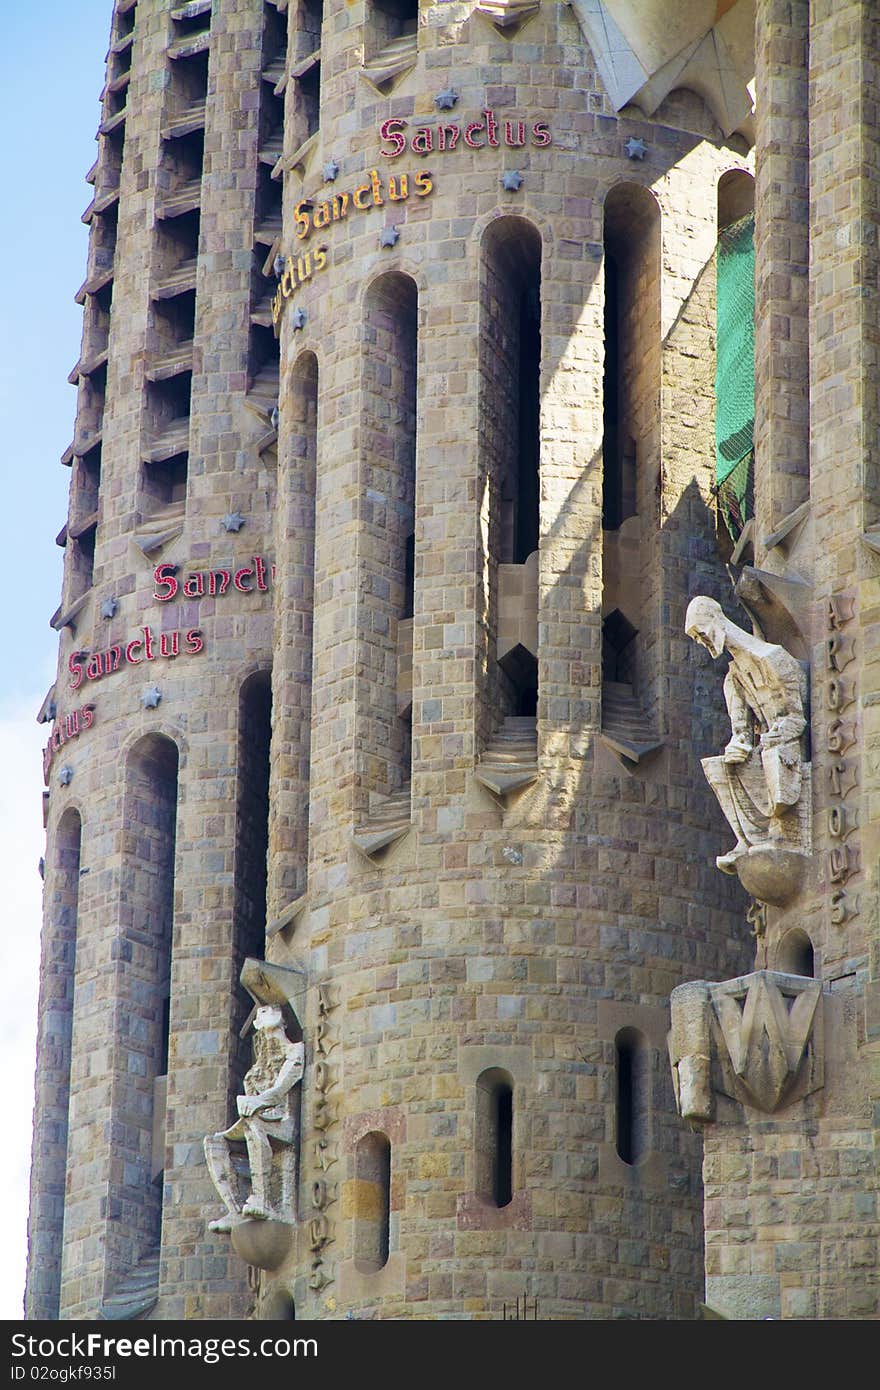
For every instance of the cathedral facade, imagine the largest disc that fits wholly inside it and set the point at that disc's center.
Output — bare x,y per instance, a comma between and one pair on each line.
437,356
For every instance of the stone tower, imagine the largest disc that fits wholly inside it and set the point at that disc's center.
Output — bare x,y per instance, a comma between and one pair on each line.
394,468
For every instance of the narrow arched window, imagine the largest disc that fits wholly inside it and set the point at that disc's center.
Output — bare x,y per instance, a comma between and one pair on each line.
372,1222
796,955
511,347
390,368
278,1307
630,445
389,22
632,1075
735,351
147,916
251,836
510,455
494,1137
51,1111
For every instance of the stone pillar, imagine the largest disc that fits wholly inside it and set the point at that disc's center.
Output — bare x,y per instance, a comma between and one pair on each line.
292,660
228,475
782,246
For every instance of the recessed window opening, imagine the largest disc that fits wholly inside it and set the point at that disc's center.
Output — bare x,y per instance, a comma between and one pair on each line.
123,24
513,352
183,159
796,955
311,23
251,829
178,245
494,1137
390,337
309,86
372,1222
88,482
390,19
110,168
53,1104
174,320
165,482
614,466
189,24
264,350
409,578
632,1073
618,648
83,560
103,298
278,1307
170,399
521,670
632,333
147,922
189,81
630,441
735,352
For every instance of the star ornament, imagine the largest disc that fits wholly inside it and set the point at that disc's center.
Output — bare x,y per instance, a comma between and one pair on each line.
232,521
65,776
151,697
298,318
109,608
445,100
389,236
512,180
330,170
635,149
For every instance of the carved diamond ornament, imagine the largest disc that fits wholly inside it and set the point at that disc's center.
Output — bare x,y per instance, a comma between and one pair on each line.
756,1039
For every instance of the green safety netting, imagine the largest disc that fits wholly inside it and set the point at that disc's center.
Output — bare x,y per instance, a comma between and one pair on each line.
735,374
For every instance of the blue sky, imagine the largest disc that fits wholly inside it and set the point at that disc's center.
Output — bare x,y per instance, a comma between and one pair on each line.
52,70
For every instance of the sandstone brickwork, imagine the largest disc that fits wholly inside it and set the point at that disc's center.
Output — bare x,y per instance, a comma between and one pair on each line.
354,301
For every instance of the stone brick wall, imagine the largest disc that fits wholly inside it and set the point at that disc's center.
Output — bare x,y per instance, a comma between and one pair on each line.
516,935
489,935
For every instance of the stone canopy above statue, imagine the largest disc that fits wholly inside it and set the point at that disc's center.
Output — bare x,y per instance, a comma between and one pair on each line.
646,48
761,780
